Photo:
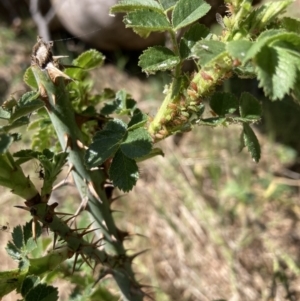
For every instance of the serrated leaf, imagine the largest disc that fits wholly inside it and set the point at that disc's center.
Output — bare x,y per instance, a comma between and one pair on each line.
5,142
125,6
250,107
137,121
29,79
29,283
167,4
27,230
42,292
12,251
123,172
188,11
238,49
143,22
27,104
158,58
268,37
276,71
207,51
89,59
223,103
195,33
17,236
291,24
251,142
105,143
137,143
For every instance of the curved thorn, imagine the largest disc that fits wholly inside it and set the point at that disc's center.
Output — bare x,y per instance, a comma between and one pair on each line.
23,207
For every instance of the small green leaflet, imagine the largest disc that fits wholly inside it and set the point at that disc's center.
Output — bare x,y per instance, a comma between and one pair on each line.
89,59
29,79
223,103
27,104
125,6
188,11
136,144
276,71
291,24
250,108
123,172
195,33
105,143
158,58
5,141
249,139
208,50
143,22
42,292
238,49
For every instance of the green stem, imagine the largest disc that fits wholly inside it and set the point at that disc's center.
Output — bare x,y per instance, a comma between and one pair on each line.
13,177
89,183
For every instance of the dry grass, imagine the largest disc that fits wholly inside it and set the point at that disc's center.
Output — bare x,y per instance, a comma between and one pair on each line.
214,230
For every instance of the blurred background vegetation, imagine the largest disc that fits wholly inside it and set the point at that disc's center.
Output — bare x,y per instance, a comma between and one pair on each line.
217,225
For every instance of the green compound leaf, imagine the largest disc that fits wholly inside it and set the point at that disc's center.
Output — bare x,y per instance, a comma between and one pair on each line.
89,59
105,143
249,139
27,104
29,79
276,71
158,58
188,11
291,24
207,51
143,22
5,141
195,33
238,49
168,4
125,6
123,172
250,108
137,143
42,292
223,103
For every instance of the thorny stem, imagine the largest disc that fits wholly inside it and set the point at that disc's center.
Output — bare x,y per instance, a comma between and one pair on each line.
89,183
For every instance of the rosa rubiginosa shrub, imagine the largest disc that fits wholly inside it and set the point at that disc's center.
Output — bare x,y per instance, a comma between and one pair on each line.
102,137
